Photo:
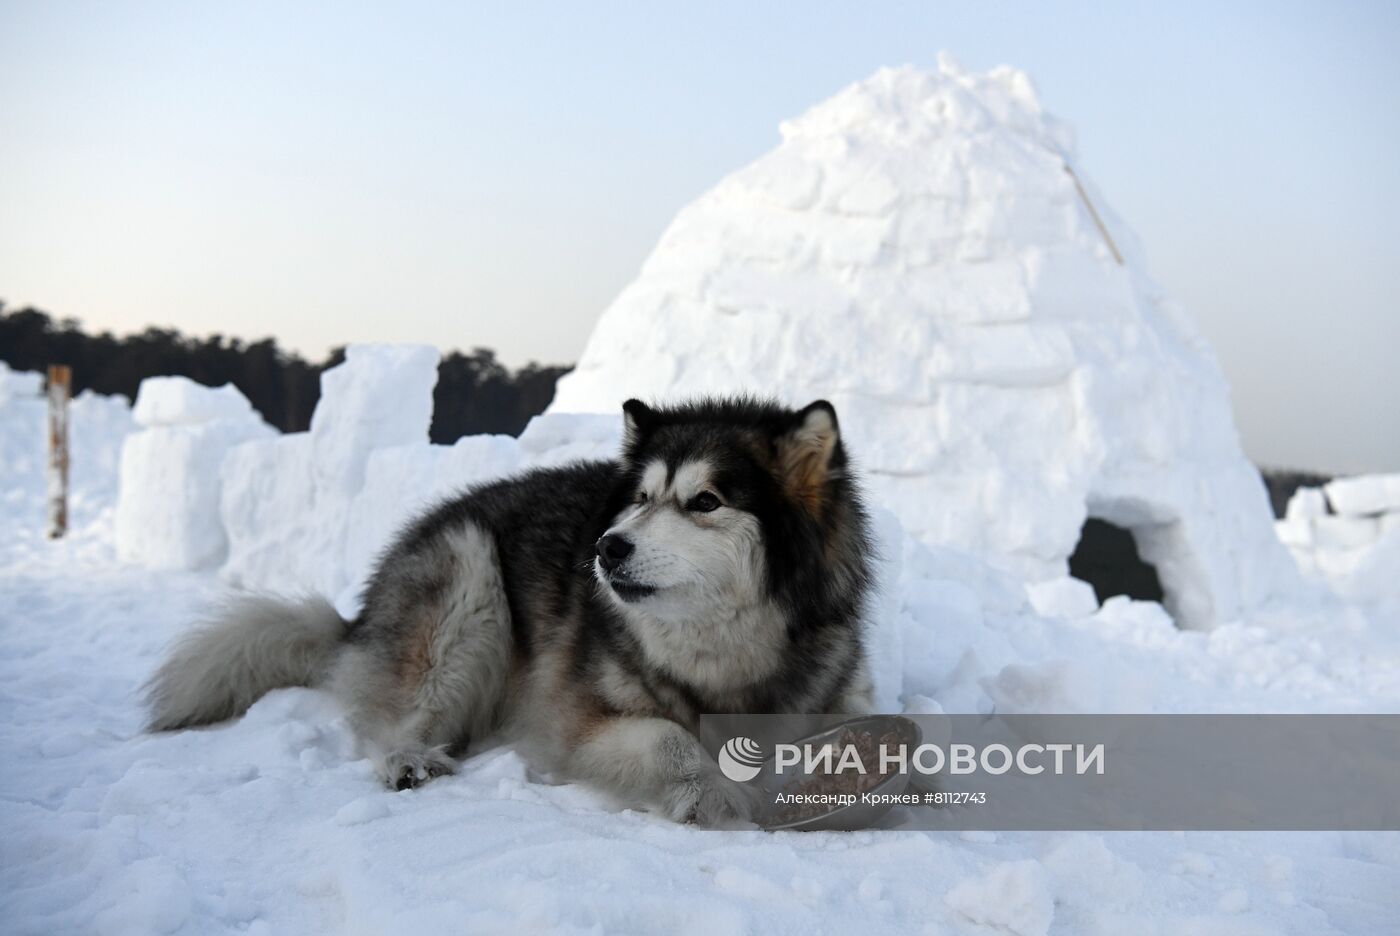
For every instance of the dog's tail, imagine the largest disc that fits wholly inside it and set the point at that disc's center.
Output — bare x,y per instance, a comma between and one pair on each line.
252,645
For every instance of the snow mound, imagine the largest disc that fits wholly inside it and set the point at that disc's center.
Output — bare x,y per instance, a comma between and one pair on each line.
923,251
1012,897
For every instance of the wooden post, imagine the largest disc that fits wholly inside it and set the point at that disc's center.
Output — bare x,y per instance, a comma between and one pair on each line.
60,389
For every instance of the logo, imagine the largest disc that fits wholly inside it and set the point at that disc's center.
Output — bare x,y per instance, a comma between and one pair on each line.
740,759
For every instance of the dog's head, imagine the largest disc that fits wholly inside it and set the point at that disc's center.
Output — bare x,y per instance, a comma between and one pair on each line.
711,494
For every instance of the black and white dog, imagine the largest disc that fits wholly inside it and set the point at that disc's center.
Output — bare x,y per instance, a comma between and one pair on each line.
591,612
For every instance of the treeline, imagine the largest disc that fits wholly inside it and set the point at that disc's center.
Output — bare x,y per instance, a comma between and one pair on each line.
475,392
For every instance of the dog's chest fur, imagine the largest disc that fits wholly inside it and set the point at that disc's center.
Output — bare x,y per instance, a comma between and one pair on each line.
718,654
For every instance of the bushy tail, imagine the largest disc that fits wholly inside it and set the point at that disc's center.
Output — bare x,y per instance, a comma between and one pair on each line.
252,645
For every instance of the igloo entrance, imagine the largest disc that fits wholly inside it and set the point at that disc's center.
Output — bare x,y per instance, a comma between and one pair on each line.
1136,547
1107,557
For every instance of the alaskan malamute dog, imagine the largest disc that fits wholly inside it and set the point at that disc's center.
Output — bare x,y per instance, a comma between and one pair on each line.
593,611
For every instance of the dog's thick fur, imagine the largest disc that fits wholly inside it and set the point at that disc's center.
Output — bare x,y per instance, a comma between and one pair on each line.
592,611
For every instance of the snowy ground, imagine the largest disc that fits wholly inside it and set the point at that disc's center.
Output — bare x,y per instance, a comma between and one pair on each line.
272,824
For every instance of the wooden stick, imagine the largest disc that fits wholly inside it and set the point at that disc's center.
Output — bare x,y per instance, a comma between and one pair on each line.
60,390
1094,214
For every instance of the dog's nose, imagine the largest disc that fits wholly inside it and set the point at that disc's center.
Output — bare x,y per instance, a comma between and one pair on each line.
612,549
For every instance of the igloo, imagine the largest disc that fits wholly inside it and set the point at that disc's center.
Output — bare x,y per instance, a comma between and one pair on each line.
922,250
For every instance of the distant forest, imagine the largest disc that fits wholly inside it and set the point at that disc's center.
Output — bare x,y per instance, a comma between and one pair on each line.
475,392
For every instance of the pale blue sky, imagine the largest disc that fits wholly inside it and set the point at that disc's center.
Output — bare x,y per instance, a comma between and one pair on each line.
472,175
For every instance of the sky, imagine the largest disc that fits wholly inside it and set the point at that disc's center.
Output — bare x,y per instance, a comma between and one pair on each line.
494,174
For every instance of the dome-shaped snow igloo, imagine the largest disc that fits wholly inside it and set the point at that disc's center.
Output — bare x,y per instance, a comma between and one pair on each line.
921,250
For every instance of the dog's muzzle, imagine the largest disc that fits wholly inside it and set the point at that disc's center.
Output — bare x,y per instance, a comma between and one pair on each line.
613,550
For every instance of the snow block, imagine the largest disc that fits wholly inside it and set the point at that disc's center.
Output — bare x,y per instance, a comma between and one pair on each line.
1365,494
1334,532
179,401
266,496
1294,531
168,509
1306,502
19,384
380,397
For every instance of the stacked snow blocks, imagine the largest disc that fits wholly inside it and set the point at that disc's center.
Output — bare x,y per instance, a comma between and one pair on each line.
1347,533
917,251
287,501
206,484
311,511
168,509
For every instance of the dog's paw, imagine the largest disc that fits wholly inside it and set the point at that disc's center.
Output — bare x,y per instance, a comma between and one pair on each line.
711,800
406,770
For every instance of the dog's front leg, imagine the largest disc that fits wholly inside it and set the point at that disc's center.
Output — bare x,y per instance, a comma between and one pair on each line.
657,763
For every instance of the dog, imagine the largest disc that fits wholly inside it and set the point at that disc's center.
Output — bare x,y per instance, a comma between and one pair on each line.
591,613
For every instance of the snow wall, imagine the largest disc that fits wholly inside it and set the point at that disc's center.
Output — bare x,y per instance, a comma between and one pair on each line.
1347,535
923,251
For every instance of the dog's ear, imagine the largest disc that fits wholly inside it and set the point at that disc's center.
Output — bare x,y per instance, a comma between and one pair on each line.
638,420
805,451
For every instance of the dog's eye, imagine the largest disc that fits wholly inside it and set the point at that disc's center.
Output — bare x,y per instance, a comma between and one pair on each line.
704,502
641,497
